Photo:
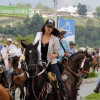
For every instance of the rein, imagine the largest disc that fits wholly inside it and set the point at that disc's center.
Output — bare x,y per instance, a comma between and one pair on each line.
82,66
38,74
18,74
37,98
72,71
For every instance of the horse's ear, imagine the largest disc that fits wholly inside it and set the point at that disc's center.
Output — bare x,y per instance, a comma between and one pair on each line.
23,44
37,43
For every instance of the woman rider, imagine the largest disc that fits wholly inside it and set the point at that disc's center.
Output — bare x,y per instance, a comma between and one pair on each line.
49,49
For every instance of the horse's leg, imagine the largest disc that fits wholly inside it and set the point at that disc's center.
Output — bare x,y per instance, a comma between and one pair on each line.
22,94
94,68
13,92
71,89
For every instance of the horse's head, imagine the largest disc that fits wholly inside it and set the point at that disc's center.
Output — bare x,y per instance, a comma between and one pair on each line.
87,64
80,63
31,58
15,62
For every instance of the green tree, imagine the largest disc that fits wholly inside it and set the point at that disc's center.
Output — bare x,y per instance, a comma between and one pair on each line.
98,11
28,39
1,29
36,24
82,9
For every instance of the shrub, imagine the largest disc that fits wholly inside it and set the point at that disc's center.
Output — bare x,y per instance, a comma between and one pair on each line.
93,75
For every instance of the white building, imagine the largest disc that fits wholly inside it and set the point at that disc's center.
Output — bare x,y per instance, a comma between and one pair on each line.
90,14
69,9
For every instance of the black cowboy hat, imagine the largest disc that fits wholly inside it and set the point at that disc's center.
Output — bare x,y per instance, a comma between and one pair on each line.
71,43
51,23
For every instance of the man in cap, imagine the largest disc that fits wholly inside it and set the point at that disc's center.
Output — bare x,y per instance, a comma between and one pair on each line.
72,47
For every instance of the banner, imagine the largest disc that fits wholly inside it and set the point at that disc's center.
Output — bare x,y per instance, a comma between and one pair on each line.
14,11
69,26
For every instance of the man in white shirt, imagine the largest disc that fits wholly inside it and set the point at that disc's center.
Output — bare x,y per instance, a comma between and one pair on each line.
11,48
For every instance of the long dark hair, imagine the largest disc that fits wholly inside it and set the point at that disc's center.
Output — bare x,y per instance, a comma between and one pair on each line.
55,31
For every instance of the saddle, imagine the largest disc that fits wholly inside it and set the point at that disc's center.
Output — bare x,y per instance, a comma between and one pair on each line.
1,70
52,76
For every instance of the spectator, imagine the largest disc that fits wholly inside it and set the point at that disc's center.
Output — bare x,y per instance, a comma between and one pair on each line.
72,47
64,46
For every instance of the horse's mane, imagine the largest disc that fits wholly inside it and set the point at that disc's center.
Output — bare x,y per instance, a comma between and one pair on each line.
15,59
77,53
30,46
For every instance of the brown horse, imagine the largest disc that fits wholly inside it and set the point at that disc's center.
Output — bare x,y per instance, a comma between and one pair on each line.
4,94
19,77
95,63
73,68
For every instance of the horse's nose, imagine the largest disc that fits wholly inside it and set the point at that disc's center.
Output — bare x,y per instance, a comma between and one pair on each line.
85,76
32,71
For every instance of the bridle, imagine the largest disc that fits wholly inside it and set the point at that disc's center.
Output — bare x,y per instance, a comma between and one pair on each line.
37,98
38,74
82,67
36,65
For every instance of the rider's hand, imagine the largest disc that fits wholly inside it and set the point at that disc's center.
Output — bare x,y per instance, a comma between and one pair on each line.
66,54
51,55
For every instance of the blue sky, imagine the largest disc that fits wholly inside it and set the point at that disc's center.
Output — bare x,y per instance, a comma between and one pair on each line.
49,3
32,2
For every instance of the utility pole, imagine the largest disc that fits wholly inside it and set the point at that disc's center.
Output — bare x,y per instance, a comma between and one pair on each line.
55,12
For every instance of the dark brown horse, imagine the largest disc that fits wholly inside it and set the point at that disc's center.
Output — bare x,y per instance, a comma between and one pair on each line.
19,77
73,67
74,74
3,77
4,94
1,71
36,85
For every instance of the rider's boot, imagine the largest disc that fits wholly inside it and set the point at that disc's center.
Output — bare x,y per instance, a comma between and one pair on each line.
65,95
96,90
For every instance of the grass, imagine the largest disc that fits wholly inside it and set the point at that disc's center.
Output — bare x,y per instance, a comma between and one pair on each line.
93,96
13,20
93,75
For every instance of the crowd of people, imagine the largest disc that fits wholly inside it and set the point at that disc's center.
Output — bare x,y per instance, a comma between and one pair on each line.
52,45
6,54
